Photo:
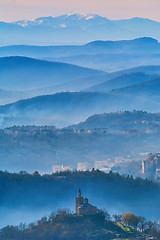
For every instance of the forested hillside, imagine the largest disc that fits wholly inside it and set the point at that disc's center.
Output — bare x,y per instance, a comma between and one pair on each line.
24,192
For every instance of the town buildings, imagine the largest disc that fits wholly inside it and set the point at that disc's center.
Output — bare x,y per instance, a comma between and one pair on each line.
151,166
83,166
61,168
102,165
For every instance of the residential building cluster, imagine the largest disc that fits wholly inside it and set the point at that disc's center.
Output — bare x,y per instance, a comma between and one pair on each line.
60,168
83,166
151,165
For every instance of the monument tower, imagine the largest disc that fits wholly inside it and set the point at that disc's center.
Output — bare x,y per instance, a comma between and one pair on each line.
83,207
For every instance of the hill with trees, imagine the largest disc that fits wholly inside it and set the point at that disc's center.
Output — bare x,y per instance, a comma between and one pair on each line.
135,120
63,225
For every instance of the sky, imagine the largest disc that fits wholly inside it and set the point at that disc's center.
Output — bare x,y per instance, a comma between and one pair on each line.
12,10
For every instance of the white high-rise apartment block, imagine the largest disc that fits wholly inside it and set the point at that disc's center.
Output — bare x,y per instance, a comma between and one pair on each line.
83,166
57,168
67,168
60,168
101,164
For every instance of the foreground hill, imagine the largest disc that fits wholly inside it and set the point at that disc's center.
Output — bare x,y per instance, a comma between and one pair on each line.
74,28
22,73
64,225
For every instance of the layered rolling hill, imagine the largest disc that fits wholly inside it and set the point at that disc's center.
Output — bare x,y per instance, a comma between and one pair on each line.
139,45
149,88
122,81
62,109
103,55
22,73
61,94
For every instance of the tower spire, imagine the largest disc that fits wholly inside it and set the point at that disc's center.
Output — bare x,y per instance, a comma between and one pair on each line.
79,201
79,193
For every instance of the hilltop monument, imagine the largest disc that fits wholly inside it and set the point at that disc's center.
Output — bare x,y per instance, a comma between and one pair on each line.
83,207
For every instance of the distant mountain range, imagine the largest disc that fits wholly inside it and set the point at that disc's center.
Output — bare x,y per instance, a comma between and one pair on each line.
75,29
139,45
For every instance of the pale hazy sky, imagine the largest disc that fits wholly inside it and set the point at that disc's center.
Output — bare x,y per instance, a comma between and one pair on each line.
11,10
